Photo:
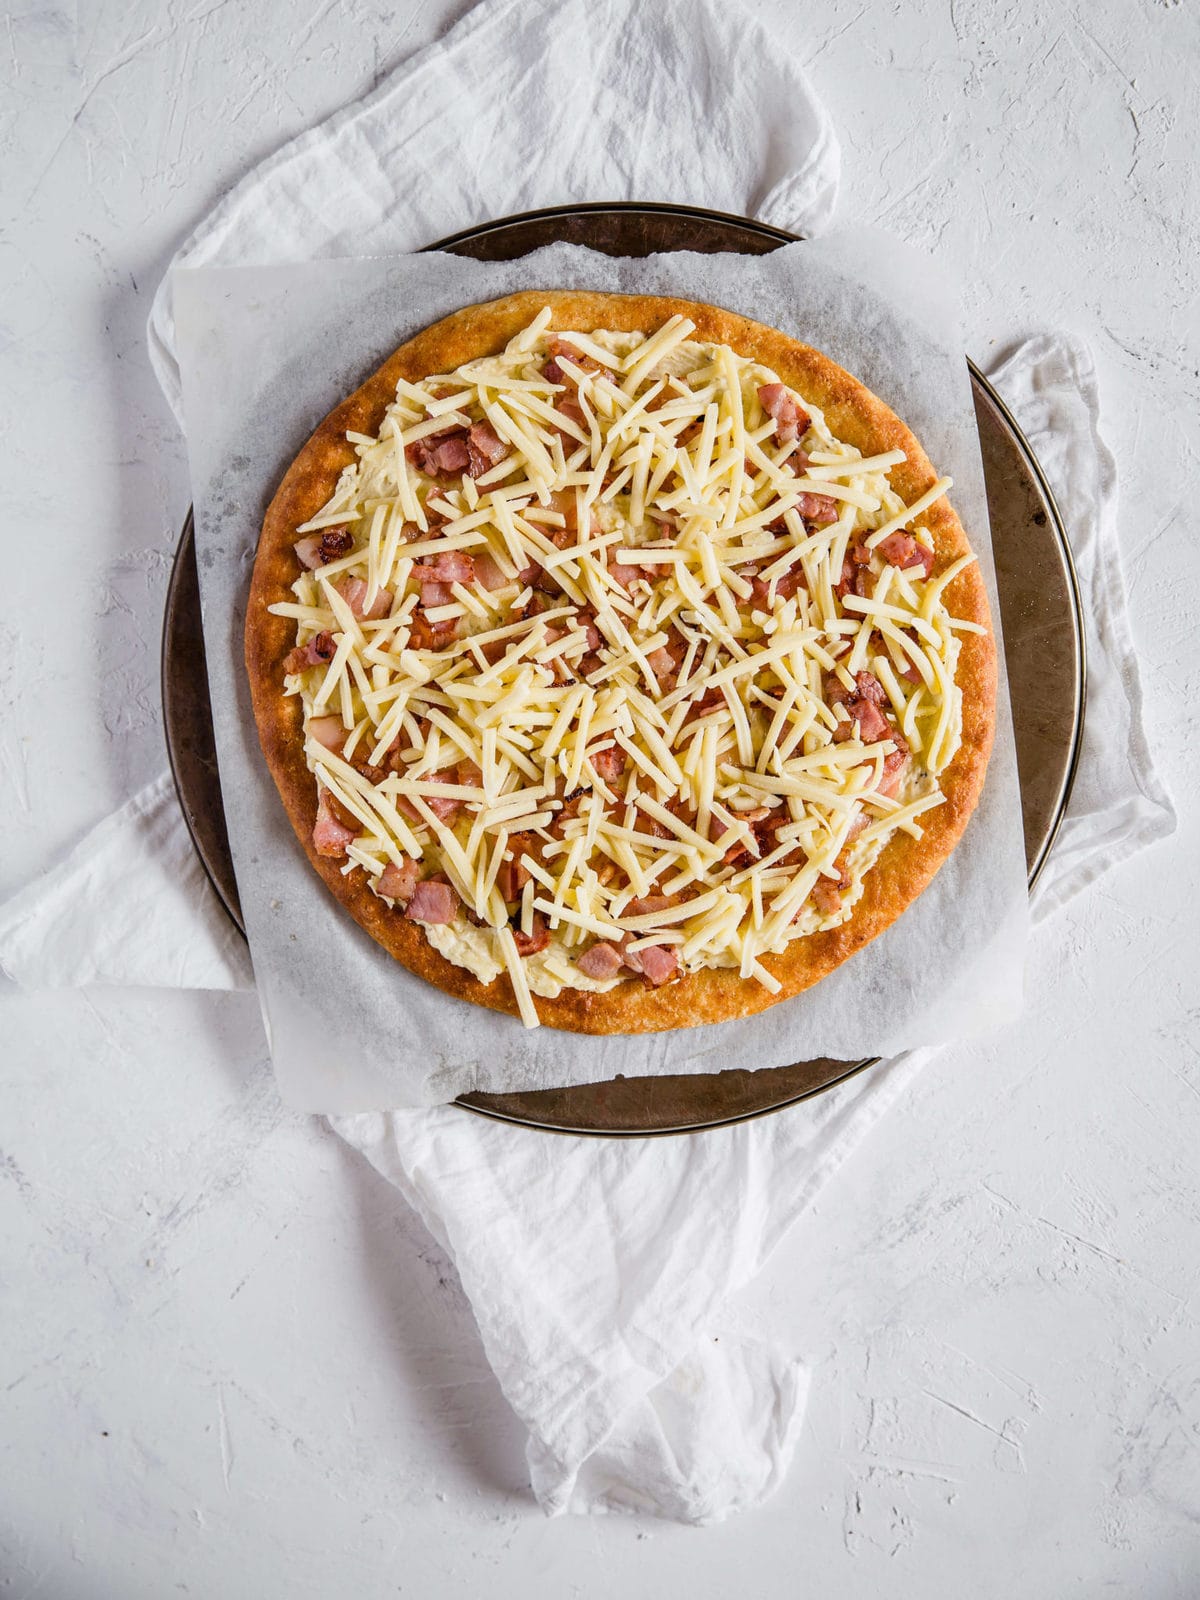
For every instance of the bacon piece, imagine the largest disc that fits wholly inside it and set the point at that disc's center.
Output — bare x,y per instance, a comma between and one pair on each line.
449,566
661,663
426,635
609,764
514,874
660,963
582,363
318,549
826,896
872,724
329,731
789,417
786,585
651,903
625,576
571,411
435,901
902,550
354,592
434,593
441,455
818,508
528,944
870,688
894,764
488,573
330,834
398,882
485,449
600,960
446,810
320,648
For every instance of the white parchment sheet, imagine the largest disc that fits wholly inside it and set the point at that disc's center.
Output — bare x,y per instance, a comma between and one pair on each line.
266,352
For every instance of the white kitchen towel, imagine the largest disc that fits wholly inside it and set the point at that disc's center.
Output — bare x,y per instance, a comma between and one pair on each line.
529,103
596,1269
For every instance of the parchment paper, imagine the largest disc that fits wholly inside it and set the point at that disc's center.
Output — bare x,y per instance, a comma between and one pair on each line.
266,352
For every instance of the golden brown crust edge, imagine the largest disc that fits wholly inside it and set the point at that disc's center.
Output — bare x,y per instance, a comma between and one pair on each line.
906,865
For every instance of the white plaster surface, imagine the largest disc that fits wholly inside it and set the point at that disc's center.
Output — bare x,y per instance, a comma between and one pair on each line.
231,1363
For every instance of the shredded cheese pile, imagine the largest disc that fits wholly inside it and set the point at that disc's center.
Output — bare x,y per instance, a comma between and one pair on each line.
654,707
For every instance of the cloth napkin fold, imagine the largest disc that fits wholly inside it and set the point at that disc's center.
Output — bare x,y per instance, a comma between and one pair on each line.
595,1268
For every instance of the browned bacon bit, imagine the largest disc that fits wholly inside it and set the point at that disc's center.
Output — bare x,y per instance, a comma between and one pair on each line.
661,663
570,411
894,764
789,417
319,549
650,905
320,648
872,724
529,944
485,449
434,901
449,566
334,827
817,508
902,550
600,960
426,635
786,586
441,455
567,813
398,882
660,963
609,764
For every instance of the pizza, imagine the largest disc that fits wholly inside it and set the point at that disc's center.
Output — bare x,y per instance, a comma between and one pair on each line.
621,662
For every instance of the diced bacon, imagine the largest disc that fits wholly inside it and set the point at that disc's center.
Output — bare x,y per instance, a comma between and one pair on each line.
488,573
426,635
354,592
586,620
567,813
797,462
441,455
902,550
450,566
485,449
609,764
818,508
320,648
330,835
786,585
571,411
434,901
568,352
319,549
528,944
661,662
870,688
514,874
826,897
781,405
660,963
625,576
434,593
872,724
649,905
861,822
398,882
600,960
329,731
446,810
630,958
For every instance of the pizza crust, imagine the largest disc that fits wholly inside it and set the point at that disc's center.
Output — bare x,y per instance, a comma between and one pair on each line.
905,866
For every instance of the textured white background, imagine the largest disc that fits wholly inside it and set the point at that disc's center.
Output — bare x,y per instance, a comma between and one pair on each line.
230,1363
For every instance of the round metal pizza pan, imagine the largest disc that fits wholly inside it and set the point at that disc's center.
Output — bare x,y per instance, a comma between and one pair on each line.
1043,640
